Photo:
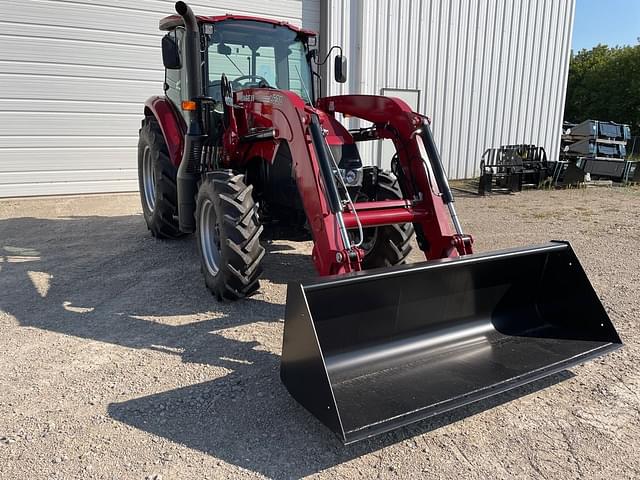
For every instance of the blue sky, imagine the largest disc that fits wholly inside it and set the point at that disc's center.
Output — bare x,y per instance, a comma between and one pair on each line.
610,22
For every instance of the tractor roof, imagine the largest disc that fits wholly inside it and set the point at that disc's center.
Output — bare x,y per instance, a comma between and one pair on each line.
170,22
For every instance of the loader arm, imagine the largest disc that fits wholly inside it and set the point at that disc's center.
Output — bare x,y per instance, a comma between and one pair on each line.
424,186
293,122
421,174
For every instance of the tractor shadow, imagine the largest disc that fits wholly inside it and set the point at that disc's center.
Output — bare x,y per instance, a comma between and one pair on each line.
234,420
106,279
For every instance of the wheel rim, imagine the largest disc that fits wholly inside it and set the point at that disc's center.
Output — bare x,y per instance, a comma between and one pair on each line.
148,179
209,238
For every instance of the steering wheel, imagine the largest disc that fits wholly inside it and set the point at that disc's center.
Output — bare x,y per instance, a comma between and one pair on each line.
236,81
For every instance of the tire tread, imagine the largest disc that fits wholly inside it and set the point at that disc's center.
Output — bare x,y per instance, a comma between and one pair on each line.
163,221
242,253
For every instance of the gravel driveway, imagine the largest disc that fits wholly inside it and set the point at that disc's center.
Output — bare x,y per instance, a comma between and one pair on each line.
115,362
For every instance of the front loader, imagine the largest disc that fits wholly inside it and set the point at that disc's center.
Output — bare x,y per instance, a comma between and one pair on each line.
242,145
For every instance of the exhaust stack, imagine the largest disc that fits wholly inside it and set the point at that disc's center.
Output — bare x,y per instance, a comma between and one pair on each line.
187,174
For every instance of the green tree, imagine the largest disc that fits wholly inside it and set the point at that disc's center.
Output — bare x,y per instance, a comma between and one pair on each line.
604,84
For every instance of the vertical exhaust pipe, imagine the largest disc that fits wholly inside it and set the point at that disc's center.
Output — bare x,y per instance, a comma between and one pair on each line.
187,177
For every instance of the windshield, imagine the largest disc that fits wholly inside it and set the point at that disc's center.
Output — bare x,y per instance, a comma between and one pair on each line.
256,54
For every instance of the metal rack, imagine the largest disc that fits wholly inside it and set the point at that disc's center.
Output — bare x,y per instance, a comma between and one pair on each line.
597,148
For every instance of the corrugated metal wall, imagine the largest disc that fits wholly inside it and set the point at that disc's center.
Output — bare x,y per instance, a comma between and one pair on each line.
490,72
75,73
73,78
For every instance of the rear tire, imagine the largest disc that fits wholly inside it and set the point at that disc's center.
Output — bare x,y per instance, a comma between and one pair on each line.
228,235
391,244
157,182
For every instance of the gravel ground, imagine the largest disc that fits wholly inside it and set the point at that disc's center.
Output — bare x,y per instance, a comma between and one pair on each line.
115,362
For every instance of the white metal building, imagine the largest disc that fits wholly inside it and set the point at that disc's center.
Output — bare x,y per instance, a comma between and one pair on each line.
75,73
487,72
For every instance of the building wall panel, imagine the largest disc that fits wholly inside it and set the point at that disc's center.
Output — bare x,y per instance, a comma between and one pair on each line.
74,75
489,72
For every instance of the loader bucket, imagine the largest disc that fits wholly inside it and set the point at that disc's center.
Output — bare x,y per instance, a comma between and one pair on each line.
371,351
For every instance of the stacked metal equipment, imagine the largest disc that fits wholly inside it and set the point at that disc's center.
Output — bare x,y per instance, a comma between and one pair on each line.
632,172
594,147
510,168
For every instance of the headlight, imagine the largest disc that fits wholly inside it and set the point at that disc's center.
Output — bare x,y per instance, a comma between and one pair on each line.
351,177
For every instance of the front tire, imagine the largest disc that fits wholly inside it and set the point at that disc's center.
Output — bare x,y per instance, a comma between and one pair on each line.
228,235
157,182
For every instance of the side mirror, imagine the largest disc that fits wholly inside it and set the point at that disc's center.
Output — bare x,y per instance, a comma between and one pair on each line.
340,68
224,49
170,53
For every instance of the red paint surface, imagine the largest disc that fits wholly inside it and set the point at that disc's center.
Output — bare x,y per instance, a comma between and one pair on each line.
172,21
289,116
171,123
395,120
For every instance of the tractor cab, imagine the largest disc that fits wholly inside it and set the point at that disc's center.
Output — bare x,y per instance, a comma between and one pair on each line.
255,54
250,52
233,74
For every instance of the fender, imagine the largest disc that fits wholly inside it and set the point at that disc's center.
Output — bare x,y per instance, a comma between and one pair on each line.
171,123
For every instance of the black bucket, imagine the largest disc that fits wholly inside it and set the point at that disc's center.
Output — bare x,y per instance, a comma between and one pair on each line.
369,352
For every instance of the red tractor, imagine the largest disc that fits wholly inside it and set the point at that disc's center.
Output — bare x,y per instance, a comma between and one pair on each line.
242,141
